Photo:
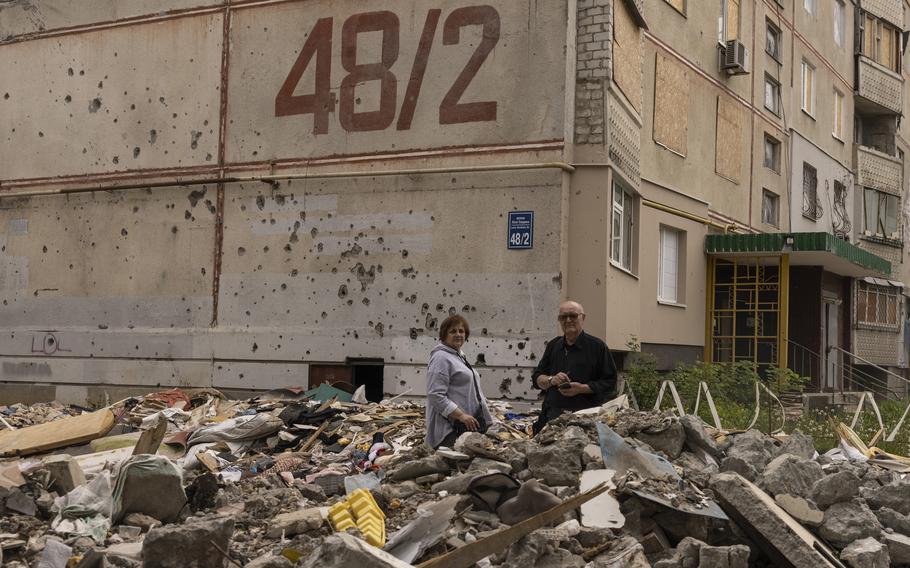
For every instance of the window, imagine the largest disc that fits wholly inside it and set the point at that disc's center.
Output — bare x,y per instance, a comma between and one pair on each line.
672,265
772,95
680,5
623,221
881,42
842,224
839,19
878,306
772,40
772,153
808,99
812,209
728,21
810,6
881,211
838,131
770,208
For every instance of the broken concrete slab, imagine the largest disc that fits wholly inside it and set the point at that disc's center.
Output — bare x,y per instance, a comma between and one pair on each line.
419,468
697,438
835,488
894,495
898,548
849,521
559,463
790,474
602,511
21,503
866,553
295,522
342,550
65,473
670,441
194,544
800,509
783,539
889,518
270,561
798,444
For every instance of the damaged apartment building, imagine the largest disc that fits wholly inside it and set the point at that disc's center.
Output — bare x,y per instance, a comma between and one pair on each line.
259,194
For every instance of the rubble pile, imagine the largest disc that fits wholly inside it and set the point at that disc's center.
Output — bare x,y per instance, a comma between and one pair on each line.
289,478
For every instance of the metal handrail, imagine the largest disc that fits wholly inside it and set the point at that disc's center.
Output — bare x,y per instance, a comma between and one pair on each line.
848,374
871,364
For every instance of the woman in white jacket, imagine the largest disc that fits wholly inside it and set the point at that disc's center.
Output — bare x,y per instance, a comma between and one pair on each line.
455,403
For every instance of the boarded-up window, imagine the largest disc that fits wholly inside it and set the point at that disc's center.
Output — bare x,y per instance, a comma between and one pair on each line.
627,54
680,5
728,146
671,104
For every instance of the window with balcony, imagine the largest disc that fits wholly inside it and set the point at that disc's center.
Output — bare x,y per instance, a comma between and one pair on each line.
772,153
841,221
770,208
880,42
880,214
838,131
772,95
623,228
878,306
772,41
808,92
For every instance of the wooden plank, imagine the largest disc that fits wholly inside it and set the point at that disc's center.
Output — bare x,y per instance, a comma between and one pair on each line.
150,440
58,434
467,555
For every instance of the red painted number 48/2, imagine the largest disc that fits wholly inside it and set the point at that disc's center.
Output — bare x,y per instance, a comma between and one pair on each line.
322,101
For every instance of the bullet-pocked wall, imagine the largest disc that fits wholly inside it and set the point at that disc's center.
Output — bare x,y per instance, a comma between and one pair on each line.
141,248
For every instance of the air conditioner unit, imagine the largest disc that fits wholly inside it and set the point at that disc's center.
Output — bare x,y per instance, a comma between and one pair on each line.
735,58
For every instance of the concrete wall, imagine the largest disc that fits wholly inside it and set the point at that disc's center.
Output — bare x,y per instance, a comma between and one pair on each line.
222,279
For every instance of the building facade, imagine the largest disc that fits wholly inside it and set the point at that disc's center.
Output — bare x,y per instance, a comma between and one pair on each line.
262,194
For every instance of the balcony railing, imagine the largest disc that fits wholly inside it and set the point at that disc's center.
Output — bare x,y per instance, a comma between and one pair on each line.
879,86
877,170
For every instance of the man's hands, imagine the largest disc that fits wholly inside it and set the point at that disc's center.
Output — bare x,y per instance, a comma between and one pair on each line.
566,386
571,389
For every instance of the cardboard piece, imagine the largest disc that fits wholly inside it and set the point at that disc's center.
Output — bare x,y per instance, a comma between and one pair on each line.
58,434
151,439
602,511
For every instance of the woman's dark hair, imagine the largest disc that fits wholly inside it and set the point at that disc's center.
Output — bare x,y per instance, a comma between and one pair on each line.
451,322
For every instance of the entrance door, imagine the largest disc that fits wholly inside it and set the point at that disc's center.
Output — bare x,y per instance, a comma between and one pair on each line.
830,335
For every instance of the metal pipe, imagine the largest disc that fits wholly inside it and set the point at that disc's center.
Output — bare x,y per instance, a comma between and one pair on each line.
731,228
271,179
421,171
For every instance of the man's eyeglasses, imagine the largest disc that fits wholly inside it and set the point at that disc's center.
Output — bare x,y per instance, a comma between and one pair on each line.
568,316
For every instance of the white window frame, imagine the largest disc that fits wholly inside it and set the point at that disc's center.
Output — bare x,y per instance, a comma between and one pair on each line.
773,219
840,25
622,228
811,6
775,144
773,30
838,131
881,209
769,80
670,267
809,87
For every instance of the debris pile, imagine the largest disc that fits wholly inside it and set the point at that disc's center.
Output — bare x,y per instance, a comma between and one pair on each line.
292,478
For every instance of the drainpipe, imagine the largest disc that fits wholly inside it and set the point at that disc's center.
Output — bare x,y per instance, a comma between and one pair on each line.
731,228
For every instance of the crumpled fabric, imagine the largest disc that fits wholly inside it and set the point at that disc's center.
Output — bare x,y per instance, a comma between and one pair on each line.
86,510
238,428
151,485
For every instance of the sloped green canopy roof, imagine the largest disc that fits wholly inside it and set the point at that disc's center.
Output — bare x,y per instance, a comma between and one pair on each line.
805,249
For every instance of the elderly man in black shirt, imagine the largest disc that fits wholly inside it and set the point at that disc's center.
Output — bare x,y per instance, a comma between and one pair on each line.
576,370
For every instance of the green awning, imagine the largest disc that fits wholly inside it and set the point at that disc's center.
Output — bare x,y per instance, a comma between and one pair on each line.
805,249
